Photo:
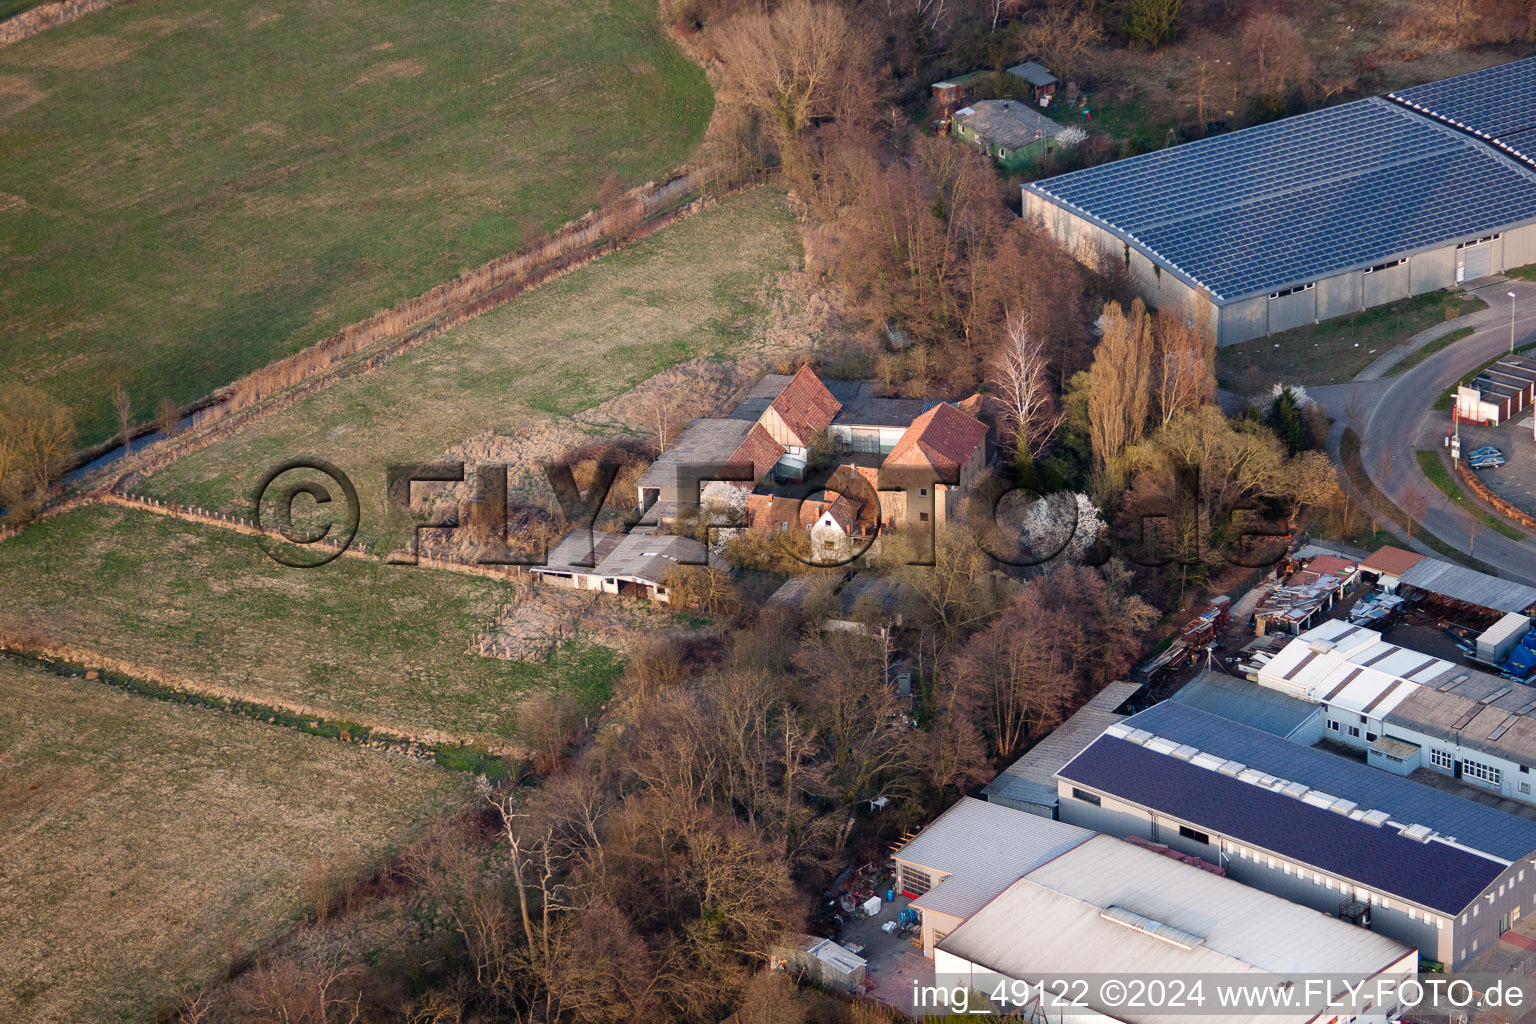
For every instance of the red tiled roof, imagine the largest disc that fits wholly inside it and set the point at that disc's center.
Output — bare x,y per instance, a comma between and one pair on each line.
845,512
760,449
944,438
806,406
1392,561
1331,564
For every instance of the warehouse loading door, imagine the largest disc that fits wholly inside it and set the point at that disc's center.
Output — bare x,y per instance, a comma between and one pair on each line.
1474,261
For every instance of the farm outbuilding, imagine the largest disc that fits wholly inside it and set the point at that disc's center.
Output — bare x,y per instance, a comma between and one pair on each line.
1316,216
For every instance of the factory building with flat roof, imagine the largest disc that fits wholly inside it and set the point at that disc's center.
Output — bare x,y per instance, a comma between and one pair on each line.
1441,874
1316,216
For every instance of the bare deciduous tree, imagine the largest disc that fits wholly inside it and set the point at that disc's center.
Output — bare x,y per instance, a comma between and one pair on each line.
1063,35
1020,374
122,404
37,437
1185,365
803,63
166,417
1276,53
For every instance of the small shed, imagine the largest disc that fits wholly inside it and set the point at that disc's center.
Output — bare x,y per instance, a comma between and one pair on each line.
1500,638
953,93
1041,82
823,962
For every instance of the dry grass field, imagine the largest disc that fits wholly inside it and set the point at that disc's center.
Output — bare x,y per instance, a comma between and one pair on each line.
142,843
537,369
356,641
194,189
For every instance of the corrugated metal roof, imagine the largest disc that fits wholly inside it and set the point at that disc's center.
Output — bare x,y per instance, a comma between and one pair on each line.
983,848
1068,917
1469,586
1249,703
1032,778
1510,625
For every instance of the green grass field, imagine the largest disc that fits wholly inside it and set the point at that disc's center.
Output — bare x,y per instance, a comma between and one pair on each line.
1333,351
11,8
358,641
193,189
524,370
146,842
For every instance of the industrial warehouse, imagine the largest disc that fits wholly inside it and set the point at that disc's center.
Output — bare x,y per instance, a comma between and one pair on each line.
1431,870
1315,216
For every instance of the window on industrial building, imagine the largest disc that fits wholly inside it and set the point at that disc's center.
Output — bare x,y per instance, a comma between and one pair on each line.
1483,772
1440,759
1354,731
1086,797
1370,737
1195,834
1386,266
1333,724
1293,290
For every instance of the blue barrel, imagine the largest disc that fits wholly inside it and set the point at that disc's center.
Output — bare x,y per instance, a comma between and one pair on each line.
890,895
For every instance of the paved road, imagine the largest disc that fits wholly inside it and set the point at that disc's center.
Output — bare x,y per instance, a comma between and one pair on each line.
1393,416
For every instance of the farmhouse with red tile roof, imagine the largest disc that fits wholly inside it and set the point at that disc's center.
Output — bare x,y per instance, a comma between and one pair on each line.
897,461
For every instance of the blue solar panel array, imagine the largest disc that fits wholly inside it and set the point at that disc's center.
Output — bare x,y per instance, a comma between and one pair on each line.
1472,824
1284,203
1430,874
1497,103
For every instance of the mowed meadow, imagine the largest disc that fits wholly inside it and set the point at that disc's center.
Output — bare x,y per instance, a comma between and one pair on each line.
353,642
145,843
536,370
192,189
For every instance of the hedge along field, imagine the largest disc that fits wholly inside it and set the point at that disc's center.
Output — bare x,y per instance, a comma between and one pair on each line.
355,640
535,369
193,189
144,842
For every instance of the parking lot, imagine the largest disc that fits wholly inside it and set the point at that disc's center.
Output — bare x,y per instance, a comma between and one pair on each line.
1515,481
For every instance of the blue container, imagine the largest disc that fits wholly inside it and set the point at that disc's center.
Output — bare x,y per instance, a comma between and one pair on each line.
890,895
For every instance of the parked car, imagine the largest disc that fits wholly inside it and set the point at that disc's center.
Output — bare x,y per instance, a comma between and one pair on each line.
1486,462
1486,449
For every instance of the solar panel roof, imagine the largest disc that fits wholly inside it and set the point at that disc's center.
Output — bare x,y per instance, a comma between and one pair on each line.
1482,828
1431,874
1497,104
1280,204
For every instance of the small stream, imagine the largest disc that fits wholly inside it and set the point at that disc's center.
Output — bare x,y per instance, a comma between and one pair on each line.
118,451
